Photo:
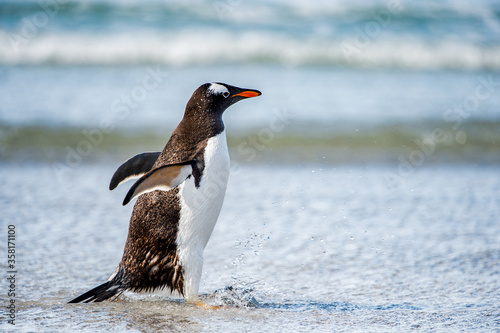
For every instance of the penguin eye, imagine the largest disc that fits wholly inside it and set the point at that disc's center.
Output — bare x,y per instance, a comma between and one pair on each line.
225,94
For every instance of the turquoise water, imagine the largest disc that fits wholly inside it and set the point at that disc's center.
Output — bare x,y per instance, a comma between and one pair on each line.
374,34
364,192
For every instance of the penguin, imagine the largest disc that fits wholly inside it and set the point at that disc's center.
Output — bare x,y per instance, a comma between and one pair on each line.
179,192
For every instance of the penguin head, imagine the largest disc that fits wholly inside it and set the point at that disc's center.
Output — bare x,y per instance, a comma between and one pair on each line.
216,97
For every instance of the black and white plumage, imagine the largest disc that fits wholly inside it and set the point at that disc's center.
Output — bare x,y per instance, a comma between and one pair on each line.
180,194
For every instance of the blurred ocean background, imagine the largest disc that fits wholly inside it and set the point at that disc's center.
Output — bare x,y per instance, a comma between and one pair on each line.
365,192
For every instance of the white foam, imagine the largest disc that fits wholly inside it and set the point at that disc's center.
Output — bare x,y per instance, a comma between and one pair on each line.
190,48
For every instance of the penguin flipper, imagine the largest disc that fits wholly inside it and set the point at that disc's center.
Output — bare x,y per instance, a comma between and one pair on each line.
134,167
163,178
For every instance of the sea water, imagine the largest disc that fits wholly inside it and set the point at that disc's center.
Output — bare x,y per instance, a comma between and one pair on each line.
364,192
318,248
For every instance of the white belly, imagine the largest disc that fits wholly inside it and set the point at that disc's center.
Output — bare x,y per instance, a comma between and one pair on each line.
200,208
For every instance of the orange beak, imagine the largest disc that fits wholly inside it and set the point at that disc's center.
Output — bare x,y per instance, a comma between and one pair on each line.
248,93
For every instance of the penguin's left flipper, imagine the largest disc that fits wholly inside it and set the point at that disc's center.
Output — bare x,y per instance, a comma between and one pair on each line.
134,167
163,178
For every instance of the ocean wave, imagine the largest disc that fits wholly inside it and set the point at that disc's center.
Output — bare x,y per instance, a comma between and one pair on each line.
364,34
184,48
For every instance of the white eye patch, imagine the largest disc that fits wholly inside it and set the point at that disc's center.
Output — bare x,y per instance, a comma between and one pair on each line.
217,89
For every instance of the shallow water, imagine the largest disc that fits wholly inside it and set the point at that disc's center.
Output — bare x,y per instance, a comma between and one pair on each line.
317,248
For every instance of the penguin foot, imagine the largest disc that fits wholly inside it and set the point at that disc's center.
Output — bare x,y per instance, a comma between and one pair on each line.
205,306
